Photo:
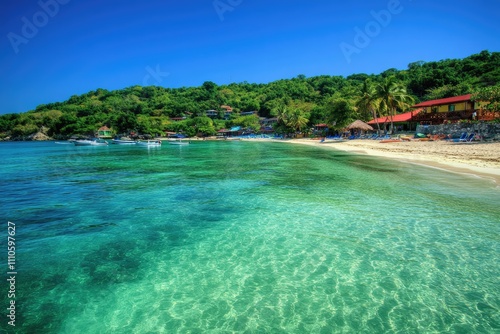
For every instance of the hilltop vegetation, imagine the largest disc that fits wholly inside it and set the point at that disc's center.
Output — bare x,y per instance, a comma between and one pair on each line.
298,103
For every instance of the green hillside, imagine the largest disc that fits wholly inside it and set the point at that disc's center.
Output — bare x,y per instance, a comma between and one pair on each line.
298,103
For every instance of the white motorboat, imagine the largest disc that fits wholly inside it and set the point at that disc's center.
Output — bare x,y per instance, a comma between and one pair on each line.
91,142
148,143
123,141
335,140
178,142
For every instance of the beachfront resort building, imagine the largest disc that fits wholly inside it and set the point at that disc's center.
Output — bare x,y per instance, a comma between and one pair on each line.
453,109
402,122
440,111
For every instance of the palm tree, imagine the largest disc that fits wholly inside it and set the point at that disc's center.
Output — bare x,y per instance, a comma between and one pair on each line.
297,120
367,100
282,114
291,119
392,95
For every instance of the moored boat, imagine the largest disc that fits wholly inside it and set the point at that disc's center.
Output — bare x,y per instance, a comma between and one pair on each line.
178,142
91,142
148,143
123,141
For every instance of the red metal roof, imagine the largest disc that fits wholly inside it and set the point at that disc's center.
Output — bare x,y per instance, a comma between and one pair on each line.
406,117
448,100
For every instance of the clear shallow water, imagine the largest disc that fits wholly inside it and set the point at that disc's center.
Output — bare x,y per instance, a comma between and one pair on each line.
221,237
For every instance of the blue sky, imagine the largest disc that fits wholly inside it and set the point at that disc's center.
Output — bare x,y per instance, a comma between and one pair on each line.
52,49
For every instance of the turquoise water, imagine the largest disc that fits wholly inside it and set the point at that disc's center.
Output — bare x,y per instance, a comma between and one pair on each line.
245,237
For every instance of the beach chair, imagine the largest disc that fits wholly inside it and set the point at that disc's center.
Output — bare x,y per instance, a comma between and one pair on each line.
386,136
470,138
463,137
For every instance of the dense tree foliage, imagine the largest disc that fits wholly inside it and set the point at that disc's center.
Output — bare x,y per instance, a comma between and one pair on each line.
490,95
298,103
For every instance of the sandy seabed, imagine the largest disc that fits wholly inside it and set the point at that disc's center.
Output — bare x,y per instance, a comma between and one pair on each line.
479,158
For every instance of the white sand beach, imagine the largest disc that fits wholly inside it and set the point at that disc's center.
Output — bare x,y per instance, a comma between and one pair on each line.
479,158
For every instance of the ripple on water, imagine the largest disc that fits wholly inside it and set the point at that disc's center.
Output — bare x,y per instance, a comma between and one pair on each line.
286,240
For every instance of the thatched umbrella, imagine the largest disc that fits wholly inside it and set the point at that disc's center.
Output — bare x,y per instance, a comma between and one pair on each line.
359,125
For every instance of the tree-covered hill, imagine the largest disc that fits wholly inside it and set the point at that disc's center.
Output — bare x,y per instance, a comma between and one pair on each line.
298,103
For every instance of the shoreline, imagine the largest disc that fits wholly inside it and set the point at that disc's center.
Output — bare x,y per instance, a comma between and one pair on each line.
481,159
478,159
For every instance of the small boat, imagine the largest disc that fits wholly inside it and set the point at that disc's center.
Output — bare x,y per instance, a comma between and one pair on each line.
332,140
406,138
148,143
178,142
91,142
123,141
390,140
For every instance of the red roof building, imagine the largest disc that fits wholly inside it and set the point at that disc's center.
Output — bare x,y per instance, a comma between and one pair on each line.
450,109
446,101
399,118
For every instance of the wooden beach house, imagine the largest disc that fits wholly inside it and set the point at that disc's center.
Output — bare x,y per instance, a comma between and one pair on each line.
453,109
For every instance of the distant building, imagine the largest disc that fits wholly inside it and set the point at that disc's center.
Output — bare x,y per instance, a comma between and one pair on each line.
267,124
212,113
104,132
233,132
248,113
321,127
228,111
268,121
